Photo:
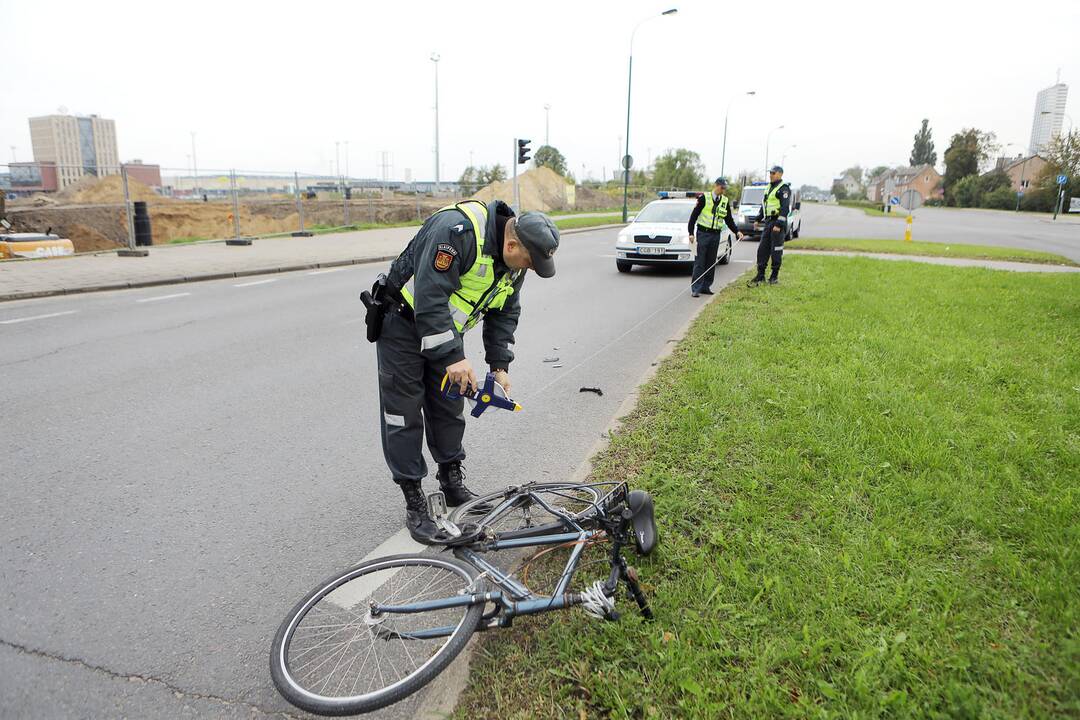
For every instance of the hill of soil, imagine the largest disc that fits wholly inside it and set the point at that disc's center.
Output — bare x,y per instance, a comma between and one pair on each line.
109,189
540,189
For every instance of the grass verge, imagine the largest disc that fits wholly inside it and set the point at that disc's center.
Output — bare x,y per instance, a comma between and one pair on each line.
866,490
567,223
899,247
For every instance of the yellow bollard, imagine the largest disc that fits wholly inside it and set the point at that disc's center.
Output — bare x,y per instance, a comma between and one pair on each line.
907,230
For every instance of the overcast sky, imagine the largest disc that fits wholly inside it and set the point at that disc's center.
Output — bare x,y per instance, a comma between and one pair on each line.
273,85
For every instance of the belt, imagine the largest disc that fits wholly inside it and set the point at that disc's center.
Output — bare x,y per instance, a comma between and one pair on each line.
702,228
397,305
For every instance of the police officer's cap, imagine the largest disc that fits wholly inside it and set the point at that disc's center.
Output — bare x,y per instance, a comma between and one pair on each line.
541,238
721,181
777,169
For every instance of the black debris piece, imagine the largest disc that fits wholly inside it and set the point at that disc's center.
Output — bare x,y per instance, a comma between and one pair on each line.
598,391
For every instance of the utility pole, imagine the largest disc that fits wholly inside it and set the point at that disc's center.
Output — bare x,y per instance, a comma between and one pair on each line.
346,159
547,124
194,163
435,59
337,158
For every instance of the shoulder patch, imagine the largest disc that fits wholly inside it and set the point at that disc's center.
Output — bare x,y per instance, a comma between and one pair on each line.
458,229
444,257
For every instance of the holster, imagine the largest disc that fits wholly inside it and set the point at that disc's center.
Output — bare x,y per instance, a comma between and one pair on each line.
375,300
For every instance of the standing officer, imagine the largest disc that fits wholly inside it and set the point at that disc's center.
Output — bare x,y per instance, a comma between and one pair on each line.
466,264
705,224
775,207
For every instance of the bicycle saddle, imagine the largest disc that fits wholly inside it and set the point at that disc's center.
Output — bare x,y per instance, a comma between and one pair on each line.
641,505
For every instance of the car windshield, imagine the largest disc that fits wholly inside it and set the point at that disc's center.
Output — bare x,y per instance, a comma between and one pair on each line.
662,211
752,195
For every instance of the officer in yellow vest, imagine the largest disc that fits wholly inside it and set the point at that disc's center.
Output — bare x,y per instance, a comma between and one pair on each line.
706,227
465,266
775,207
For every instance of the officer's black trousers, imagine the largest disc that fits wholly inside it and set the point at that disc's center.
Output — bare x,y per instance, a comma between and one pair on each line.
708,243
411,404
772,243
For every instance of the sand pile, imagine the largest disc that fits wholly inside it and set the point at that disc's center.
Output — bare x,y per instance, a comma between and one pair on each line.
109,189
540,189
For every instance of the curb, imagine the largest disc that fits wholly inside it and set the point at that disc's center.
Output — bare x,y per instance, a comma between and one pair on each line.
443,692
180,279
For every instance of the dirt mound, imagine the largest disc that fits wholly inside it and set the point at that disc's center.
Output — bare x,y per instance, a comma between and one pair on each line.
540,189
87,239
109,189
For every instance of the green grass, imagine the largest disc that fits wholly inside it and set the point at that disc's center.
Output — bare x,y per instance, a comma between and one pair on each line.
866,488
582,222
872,209
959,250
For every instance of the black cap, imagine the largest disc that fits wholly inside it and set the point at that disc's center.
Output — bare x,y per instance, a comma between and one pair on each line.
721,181
777,168
541,238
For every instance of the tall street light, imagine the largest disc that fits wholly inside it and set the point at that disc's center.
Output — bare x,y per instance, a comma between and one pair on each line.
194,163
723,155
629,84
435,59
547,124
1023,167
767,138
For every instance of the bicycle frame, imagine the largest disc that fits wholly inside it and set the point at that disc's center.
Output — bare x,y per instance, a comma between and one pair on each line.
513,598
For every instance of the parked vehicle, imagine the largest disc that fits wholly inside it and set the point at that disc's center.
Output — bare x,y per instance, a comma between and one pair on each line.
34,245
750,206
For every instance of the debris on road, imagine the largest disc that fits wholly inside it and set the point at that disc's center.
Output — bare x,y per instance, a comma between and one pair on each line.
598,391
551,359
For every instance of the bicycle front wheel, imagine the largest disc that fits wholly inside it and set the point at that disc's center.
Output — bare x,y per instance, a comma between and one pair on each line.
333,656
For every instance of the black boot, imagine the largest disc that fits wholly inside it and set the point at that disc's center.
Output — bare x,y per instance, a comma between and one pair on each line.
773,280
417,519
452,483
756,280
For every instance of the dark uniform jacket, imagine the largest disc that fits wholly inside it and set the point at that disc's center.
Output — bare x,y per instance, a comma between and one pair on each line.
784,195
445,234
697,211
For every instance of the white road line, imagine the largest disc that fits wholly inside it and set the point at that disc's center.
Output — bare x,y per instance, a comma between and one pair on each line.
350,594
256,282
162,297
328,270
748,262
37,317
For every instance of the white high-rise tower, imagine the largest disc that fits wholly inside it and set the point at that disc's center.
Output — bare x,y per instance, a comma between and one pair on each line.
1049,112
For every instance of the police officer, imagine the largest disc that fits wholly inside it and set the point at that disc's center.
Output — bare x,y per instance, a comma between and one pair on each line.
706,226
464,266
775,207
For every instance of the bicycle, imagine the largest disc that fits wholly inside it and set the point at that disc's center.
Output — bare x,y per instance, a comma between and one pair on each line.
378,632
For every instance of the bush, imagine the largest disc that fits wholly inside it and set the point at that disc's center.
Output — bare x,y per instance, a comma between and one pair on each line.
966,192
934,202
1039,200
1002,198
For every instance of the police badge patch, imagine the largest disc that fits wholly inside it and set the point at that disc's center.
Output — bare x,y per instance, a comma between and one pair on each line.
444,257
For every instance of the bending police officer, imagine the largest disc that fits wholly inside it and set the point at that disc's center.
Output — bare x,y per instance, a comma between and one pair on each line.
465,265
706,226
775,207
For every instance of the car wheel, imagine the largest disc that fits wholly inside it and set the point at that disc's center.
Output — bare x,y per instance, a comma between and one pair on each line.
623,266
727,256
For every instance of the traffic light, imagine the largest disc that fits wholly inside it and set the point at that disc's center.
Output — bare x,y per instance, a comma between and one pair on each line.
523,151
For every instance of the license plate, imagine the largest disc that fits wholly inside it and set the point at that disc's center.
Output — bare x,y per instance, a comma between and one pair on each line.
650,251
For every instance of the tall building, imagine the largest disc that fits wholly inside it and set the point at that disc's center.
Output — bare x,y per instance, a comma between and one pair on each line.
78,145
1049,112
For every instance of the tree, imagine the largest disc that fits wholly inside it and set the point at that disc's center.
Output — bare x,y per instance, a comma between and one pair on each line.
493,174
547,156
922,153
679,168
856,172
968,150
839,190
469,176
874,174
1063,158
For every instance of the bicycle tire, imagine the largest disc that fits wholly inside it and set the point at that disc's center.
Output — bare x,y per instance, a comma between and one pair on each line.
314,702
465,514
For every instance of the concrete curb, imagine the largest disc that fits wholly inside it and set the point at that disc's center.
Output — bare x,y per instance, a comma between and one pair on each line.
180,279
443,692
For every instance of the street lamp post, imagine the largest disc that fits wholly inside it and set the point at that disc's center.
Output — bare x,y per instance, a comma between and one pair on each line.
547,124
723,155
435,59
767,138
194,164
629,85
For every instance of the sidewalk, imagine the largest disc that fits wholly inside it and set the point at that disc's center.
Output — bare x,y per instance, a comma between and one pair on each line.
170,264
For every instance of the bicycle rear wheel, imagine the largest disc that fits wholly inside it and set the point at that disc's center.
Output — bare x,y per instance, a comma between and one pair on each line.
575,499
331,656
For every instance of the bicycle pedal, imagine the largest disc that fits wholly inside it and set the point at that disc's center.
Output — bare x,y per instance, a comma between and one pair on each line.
437,508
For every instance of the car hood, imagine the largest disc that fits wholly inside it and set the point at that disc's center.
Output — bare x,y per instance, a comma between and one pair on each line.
654,229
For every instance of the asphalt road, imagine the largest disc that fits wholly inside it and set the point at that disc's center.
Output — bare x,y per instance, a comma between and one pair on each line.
972,227
181,464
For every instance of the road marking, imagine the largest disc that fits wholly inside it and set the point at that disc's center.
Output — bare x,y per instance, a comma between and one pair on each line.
748,262
256,282
328,270
352,593
37,317
162,297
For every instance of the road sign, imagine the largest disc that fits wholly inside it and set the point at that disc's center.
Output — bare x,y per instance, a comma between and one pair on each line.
911,200
894,201
627,161
1062,179
1074,205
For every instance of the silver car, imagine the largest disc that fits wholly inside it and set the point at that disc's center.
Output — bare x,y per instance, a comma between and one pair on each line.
659,235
